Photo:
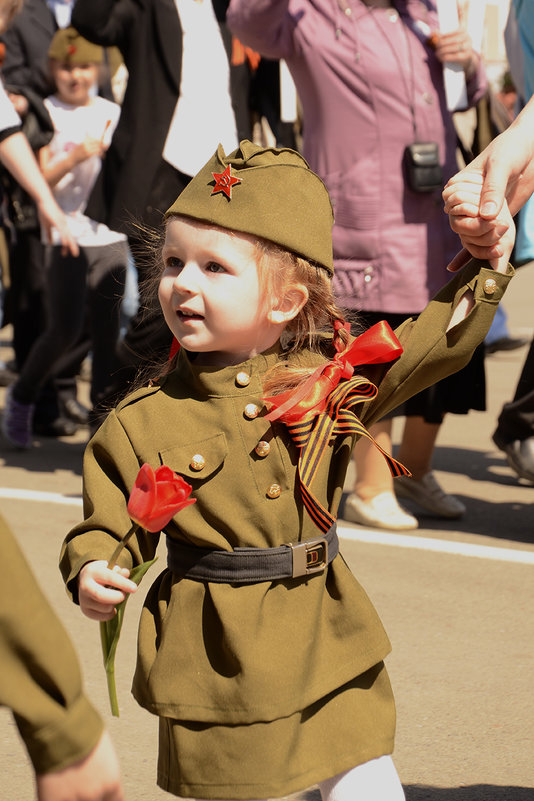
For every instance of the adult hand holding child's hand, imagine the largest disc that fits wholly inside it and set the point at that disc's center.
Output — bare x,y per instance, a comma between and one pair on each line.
482,238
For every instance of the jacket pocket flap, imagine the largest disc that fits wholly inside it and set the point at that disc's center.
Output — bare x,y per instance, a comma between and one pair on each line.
197,459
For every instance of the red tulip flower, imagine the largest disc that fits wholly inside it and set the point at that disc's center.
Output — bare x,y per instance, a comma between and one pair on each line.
156,497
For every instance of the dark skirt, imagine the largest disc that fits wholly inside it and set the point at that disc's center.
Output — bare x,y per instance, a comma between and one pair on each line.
456,394
350,726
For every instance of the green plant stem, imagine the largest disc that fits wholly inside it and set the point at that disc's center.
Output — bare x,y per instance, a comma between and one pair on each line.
110,672
116,553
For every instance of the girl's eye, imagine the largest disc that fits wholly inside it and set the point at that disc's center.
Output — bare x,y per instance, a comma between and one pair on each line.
214,267
173,263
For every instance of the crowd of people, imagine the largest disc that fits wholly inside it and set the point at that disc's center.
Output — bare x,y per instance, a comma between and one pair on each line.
295,283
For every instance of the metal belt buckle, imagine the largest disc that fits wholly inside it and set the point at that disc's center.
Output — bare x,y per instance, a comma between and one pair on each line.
309,557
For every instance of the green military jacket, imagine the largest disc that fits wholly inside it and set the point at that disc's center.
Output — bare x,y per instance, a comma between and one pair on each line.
40,676
234,654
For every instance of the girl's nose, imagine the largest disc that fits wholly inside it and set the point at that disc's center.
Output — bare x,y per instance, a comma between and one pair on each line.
186,280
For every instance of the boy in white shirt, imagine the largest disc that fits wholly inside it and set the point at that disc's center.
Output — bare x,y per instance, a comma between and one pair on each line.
84,124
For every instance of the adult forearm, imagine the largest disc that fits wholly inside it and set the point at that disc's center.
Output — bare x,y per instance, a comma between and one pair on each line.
264,25
17,156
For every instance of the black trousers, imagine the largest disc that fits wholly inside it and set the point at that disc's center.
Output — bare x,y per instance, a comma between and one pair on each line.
147,341
516,420
27,314
92,282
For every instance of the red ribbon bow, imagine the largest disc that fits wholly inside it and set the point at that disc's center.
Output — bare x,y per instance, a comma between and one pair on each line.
377,345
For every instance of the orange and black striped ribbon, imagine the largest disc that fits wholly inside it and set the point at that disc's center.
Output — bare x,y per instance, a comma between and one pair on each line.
313,435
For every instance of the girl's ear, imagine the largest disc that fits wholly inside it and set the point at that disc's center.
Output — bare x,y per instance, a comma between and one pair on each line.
287,307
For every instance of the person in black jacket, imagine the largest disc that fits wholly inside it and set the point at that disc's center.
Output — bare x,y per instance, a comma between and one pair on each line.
26,75
179,104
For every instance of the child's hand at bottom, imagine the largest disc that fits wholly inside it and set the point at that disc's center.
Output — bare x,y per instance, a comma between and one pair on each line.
100,589
492,240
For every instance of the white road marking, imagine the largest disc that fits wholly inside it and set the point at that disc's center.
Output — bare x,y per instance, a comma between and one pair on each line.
373,537
41,497
377,537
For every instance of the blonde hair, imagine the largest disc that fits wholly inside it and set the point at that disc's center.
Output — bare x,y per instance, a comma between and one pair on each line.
279,270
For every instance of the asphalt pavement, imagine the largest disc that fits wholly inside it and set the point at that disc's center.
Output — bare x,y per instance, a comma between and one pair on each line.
457,600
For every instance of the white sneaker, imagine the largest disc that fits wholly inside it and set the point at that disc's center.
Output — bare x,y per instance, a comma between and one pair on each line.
382,511
428,494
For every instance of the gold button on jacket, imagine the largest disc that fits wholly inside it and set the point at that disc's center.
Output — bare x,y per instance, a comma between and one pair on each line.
262,449
251,411
242,379
197,462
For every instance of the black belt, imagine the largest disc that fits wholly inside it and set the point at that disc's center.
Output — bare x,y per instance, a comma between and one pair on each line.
251,565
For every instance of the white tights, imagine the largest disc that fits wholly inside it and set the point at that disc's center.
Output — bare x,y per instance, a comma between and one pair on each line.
376,780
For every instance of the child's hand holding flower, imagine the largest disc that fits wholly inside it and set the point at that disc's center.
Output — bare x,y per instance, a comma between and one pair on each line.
156,497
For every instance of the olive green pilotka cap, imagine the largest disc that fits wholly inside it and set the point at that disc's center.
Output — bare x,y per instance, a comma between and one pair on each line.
266,192
68,46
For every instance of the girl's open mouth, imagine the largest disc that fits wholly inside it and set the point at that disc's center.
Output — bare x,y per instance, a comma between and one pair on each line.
185,316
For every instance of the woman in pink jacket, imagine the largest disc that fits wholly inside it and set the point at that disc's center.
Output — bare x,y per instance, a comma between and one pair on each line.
369,75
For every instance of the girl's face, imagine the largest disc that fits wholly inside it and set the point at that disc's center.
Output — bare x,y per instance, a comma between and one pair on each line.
210,293
74,81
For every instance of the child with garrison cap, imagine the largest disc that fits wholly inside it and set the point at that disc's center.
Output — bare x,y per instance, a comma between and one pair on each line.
93,280
259,651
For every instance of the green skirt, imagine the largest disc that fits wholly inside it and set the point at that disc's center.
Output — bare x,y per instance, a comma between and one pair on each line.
348,727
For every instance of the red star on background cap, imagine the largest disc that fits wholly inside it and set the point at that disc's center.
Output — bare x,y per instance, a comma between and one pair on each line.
224,182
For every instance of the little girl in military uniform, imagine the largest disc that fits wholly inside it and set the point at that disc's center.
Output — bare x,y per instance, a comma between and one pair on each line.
259,651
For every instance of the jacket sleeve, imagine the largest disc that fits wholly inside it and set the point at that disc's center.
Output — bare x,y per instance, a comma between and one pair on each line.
265,25
41,681
15,68
109,471
106,23
430,351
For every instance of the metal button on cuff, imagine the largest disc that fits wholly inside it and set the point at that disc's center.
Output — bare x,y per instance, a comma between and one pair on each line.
490,285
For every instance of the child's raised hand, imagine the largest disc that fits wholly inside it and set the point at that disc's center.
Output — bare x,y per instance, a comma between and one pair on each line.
492,240
100,589
89,147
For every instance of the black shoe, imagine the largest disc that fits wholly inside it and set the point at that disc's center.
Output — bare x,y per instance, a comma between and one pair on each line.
519,455
7,376
72,409
505,343
60,427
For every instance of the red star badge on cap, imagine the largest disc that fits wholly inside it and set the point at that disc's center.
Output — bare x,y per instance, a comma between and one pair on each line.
224,182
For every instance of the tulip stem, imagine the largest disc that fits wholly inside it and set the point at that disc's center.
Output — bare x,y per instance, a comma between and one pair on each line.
110,671
116,553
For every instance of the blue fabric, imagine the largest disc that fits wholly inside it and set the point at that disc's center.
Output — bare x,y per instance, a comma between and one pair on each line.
524,242
524,11
499,326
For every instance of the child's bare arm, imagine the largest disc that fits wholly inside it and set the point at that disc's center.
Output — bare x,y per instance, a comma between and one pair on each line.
54,172
100,589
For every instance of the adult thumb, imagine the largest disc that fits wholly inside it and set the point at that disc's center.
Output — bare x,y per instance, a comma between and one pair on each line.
493,192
